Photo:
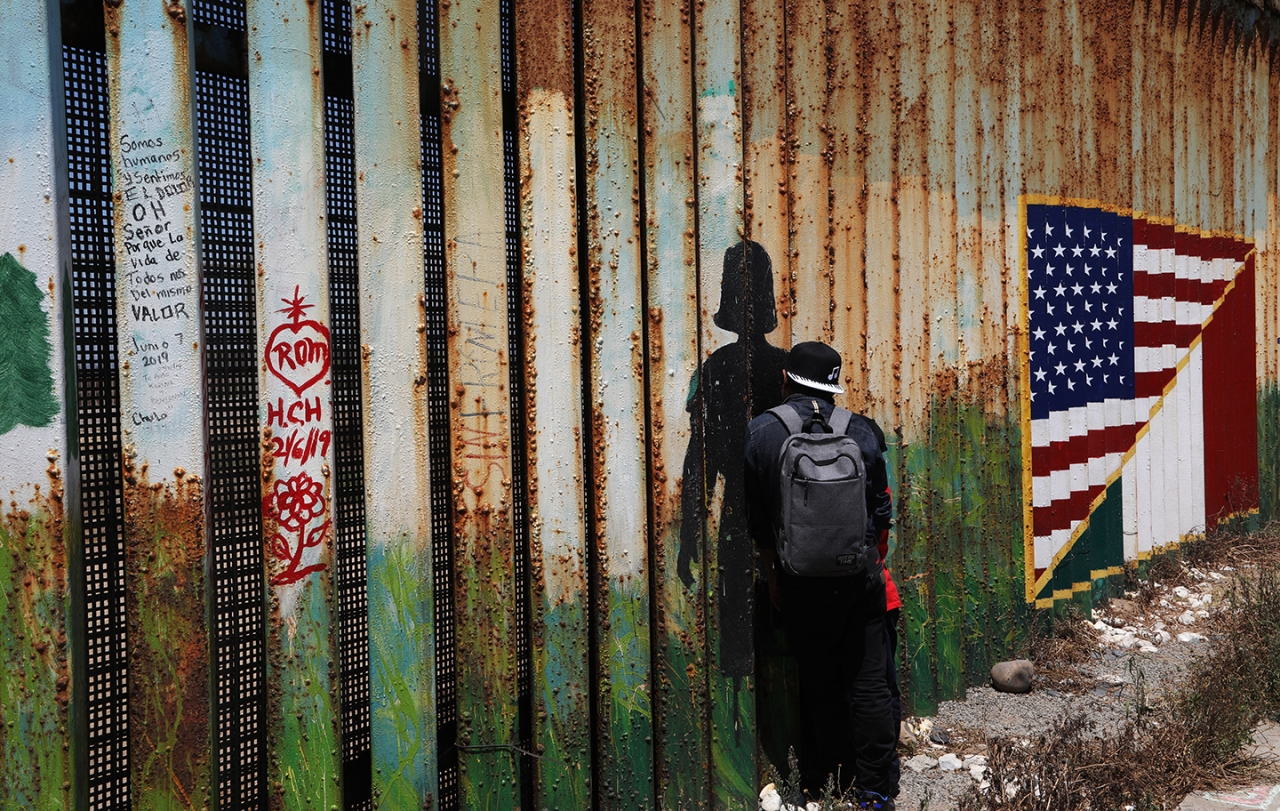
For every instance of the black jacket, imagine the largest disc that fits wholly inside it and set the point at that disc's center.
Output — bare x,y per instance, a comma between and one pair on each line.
765,435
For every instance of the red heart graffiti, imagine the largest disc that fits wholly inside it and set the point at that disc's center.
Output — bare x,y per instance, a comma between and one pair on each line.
298,354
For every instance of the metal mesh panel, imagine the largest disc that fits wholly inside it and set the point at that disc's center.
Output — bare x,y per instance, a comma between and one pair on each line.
348,442
226,227
438,404
515,355
336,27
228,14
97,407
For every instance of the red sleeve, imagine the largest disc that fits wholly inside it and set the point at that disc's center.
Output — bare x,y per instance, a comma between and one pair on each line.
891,598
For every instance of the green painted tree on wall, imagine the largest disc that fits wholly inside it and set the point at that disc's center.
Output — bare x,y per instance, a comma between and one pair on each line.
26,381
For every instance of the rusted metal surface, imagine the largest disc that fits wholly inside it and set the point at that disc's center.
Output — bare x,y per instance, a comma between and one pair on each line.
680,637
36,762
736,359
553,337
847,138
480,403
810,138
945,551
617,438
158,322
765,184
879,244
286,97
393,340
756,174
968,493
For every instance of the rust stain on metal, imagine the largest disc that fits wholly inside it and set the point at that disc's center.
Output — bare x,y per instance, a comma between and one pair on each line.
555,480
480,412
35,632
165,553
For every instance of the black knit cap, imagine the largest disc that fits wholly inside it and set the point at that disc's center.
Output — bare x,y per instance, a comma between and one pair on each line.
814,365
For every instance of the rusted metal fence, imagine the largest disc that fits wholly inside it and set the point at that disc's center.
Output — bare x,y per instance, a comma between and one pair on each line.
374,376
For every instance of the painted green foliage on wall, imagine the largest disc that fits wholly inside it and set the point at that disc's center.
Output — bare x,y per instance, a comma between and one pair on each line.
959,571
35,765
26,381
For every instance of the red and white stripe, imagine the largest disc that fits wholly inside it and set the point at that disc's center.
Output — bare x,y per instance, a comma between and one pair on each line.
1177,279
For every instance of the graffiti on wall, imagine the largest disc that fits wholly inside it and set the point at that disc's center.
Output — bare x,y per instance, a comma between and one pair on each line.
297,354
1139,417
158,292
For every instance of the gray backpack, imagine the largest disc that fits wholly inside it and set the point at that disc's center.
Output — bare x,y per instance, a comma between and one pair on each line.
824,498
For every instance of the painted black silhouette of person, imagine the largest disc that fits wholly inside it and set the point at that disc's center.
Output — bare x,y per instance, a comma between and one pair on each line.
739,381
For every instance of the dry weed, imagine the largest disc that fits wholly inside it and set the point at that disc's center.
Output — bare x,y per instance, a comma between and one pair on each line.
1059,650
1194,741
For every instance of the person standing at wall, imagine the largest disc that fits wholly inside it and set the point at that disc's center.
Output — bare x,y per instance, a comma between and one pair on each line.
834,624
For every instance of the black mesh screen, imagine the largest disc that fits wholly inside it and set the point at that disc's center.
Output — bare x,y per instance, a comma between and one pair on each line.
336,29
228,14
438,404
97,409
348,440
230,326
515,356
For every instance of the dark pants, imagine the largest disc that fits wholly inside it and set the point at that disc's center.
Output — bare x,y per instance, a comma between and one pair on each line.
895,694
835,628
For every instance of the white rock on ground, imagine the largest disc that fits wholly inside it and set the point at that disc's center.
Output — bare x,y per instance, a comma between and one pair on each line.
1187,618
949,762
977,772
1190,636
921,763
770,800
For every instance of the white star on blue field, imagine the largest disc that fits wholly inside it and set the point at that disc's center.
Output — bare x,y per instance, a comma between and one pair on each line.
1079,307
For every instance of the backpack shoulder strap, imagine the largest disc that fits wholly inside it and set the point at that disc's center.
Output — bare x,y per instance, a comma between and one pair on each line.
789,418
840,419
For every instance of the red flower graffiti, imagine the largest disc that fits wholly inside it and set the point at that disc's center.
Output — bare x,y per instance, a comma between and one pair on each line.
294,503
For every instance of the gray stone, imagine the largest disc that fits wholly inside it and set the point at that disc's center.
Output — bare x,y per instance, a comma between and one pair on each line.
921,763
1013,676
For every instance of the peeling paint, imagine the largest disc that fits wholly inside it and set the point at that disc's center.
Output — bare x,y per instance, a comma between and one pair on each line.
553,408
168,641
287,99
396,440
158,318
35,674
479,404
874,155
617,439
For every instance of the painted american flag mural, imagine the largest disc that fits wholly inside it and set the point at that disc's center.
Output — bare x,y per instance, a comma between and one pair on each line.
1139,395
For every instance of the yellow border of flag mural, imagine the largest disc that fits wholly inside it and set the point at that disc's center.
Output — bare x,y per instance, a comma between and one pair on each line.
1034,584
